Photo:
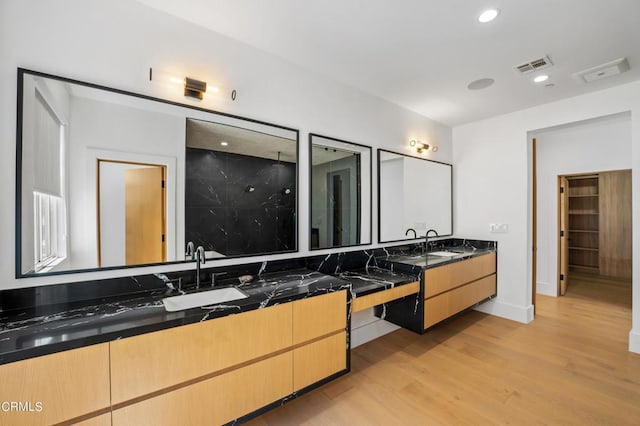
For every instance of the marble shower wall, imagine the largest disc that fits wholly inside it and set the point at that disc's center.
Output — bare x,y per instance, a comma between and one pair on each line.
223,214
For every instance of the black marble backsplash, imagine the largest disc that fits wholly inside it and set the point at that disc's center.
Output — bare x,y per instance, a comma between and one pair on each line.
332,264
238,204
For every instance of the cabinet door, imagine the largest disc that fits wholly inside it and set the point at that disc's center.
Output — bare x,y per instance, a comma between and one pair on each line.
446,304
66,385
316,361
151,362
214,401
444,278
318,316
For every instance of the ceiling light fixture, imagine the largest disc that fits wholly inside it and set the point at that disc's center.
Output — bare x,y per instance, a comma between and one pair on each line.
488,15
541,78
223,143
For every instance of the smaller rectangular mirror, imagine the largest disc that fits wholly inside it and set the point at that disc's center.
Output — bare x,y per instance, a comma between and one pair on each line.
414,194
340,193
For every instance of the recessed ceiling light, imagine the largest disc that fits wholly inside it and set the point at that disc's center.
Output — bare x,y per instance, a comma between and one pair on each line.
488,15
541,78
482,83
223,143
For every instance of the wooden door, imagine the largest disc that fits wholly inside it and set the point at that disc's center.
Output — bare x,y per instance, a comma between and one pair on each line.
563,235
144,215
615,223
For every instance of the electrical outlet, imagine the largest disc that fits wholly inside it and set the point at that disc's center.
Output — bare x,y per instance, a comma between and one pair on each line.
421,226
498,228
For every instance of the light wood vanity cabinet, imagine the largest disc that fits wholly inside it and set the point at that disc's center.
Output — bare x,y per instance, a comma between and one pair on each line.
319,330
68,385
147,363
216,371
452,288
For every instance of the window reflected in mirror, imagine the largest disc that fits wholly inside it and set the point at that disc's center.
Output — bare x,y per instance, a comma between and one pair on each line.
105,180
340,188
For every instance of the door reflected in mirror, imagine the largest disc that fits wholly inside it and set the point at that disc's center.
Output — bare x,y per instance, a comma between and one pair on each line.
101,180
340,193
413,194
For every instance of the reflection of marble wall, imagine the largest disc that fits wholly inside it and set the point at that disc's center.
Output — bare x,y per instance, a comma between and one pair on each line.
221,215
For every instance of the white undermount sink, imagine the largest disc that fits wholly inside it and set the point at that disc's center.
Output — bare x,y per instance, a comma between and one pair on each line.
443,253
203,298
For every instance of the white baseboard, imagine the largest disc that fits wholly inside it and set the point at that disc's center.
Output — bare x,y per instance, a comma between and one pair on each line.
523,314
366,327
547,289
634,341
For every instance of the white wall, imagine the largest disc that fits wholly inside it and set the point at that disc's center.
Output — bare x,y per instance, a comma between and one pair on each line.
114,43
492,184
590,146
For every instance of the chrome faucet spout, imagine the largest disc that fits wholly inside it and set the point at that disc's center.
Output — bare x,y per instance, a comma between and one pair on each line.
191,250
200,260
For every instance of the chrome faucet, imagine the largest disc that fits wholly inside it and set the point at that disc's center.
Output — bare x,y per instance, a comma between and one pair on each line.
415,234
200,260
426,239
191,250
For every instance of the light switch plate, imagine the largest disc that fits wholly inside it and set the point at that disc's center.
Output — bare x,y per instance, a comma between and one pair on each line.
498,228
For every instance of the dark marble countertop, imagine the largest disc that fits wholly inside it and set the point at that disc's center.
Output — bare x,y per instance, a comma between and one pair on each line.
32,332
374,279
439,256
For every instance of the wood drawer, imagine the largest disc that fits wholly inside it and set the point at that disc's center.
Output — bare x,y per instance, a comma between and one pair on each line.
320,359
217,400
444,278
68,384
375,299
318,316
154,361
446,304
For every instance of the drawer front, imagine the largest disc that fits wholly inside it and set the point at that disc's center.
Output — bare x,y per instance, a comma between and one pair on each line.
447,304
102,420
154,361
318,316
364,302
444,278
66,384
317,360
217,400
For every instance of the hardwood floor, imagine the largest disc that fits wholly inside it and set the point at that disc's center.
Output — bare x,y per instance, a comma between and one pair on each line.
569,366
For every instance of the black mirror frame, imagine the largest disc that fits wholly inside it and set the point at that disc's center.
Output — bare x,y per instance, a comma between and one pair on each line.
21,72
311,136
379,151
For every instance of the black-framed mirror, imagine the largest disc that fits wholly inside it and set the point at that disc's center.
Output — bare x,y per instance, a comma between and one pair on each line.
414,196
340,182
102,178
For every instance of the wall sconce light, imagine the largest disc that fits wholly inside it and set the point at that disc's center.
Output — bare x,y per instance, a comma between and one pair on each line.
194,88
422,147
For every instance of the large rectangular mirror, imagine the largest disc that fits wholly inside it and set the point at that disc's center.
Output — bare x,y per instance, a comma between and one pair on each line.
110,179
414,194
340,193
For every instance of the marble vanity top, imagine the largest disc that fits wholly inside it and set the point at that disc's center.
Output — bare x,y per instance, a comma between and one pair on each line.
47,329
374,279
439,256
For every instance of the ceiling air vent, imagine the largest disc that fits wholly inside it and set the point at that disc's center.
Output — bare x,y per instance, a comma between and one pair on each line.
536,64
602,71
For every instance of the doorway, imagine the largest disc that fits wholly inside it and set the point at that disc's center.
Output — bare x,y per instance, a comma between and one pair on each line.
131,206
339,207
595,221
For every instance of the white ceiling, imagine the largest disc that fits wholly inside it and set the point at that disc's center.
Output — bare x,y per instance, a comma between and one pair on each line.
421,54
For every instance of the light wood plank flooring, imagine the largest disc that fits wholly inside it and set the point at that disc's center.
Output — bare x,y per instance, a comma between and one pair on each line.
568,367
